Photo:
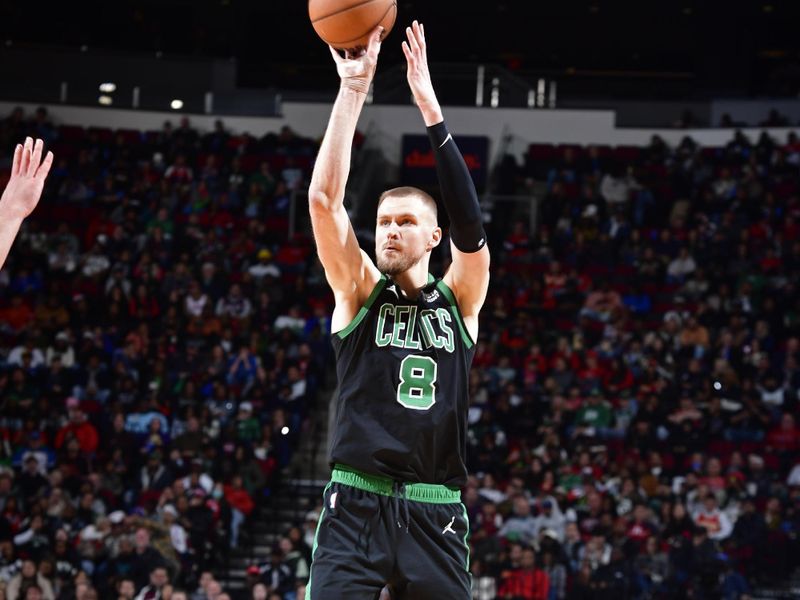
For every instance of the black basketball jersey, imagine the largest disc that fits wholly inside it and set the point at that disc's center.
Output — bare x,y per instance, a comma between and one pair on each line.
403,368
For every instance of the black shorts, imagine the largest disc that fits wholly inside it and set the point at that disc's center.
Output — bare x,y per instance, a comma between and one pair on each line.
375,532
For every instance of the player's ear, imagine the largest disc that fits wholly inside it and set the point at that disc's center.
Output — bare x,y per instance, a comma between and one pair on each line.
436,238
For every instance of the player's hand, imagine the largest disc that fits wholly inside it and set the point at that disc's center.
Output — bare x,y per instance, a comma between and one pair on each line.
418,74
357,68
28,172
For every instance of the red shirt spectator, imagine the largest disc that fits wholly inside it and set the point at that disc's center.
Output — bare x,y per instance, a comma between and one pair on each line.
785,437
237,497
617,377
527,582
18,315
791,229
179,172
79,427
592,371
639,530
518,242
555,282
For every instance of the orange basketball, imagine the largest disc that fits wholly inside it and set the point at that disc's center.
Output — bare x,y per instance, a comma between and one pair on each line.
346,24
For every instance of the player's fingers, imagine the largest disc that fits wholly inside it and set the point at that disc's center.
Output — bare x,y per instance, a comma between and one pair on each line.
26,156
15,164
377,35
407,52
36,157
374,46
44,168
335,54
412,40
418,33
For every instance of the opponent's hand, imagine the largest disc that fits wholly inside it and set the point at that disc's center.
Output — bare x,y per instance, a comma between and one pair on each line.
28,172
418,74
357,68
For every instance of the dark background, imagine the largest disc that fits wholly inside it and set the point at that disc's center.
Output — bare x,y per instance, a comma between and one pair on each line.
594,47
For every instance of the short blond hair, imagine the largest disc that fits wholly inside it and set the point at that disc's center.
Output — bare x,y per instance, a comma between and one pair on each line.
407,191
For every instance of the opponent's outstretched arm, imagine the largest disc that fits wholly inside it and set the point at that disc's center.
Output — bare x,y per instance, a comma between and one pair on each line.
468,275
349,271
22,193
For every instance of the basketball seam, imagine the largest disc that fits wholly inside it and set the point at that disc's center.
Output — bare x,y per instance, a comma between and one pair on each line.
341,10
391,6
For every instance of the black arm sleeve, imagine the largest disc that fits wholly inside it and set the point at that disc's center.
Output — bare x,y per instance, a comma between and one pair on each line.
459,196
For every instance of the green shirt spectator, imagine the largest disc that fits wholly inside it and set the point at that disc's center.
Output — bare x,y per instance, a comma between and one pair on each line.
596,412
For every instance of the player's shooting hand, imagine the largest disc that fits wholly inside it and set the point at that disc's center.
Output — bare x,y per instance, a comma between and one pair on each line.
419,76
28,172
357,68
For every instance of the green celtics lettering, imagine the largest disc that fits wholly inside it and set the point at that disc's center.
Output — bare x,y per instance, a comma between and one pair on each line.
402,327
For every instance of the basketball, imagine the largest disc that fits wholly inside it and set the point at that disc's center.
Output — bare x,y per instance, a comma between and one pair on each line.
346,24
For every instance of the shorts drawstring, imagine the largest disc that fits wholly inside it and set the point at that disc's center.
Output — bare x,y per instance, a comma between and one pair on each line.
400,497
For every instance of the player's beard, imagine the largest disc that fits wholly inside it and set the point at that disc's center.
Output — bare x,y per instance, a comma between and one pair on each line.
398,262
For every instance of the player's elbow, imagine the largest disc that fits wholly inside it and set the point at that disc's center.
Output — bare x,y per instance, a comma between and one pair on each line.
319,201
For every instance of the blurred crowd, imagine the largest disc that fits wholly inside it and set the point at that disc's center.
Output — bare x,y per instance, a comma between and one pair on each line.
633,398
162,339
635,390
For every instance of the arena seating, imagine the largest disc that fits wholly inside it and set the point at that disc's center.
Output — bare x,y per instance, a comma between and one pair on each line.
632,402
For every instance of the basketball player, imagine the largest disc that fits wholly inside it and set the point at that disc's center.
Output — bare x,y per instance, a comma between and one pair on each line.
28,172
404,342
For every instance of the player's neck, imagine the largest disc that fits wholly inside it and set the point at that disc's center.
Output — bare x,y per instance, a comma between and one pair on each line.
412,280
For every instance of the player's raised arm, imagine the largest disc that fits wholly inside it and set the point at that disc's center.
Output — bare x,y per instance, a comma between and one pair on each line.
468,275
28,172
349,271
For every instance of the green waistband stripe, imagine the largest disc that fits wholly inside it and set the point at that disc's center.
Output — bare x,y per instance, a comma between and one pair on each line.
418,492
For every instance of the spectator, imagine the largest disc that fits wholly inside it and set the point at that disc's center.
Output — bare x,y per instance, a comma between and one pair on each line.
595,417
295,560
710,517
602,305
550,518
521,525
528,581
36,356
147,567
28,578
155,588
126,589
78,427
681,266
652,568
276,574
241,507
556,576
264,267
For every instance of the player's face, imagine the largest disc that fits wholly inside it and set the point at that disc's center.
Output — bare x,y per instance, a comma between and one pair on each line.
405,232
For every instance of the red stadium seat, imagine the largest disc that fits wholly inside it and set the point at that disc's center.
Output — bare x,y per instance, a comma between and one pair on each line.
131,136
543,152
152,137
627,153
63,149
250,162
71,134
578,151
104,134
603,150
